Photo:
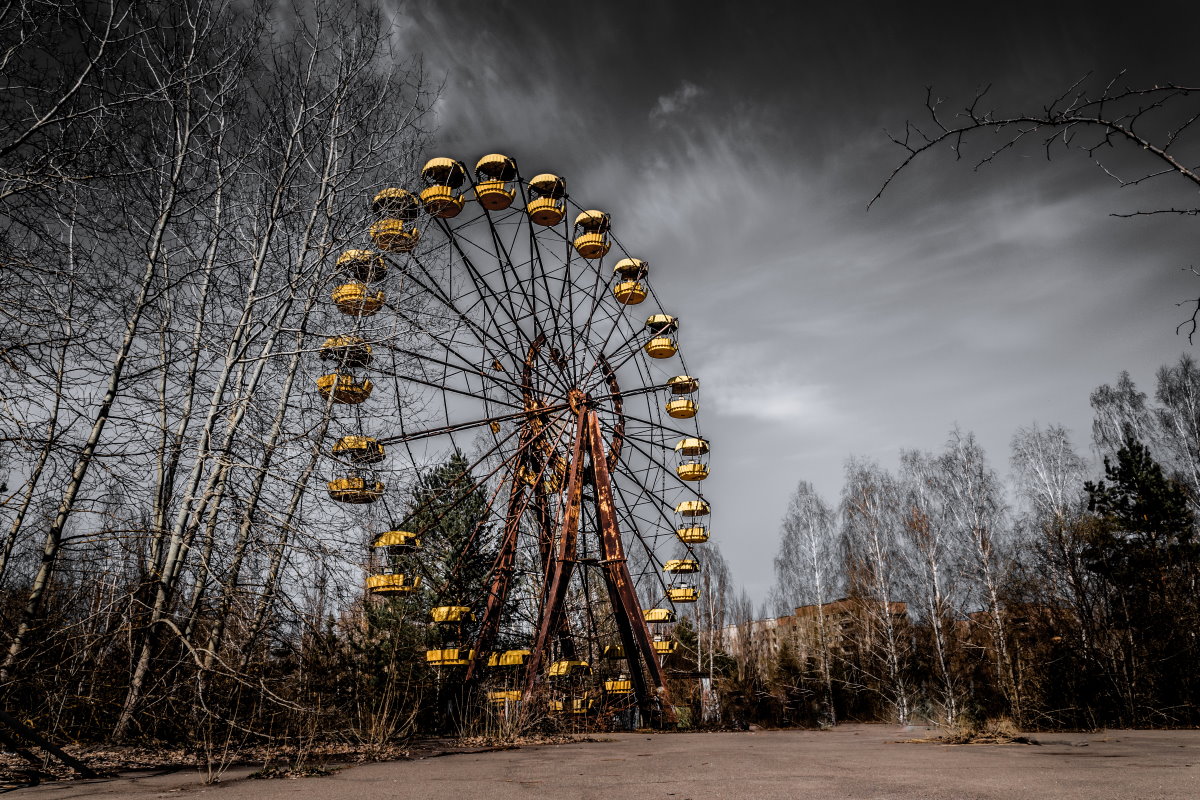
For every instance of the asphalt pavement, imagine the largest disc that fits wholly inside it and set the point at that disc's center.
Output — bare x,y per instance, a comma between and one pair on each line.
851,761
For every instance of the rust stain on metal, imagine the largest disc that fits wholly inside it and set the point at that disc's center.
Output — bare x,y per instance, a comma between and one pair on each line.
631,625
552,610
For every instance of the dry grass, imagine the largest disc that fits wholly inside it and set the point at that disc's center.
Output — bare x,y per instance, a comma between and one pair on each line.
273,761
992,731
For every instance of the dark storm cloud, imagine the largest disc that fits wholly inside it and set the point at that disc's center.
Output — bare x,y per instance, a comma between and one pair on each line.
737,146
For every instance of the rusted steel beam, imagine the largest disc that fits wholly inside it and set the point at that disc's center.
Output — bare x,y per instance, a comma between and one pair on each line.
630,645
501,573
618,410
552,610
627,609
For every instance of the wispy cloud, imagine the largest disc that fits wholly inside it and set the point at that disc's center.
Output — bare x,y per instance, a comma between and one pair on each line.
676,102
770,398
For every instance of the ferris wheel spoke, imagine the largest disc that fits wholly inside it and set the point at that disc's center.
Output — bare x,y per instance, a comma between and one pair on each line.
490,300
444,384
539,273
632,339
647,495
508,267
600,299
648,551
481,336
538,269
482,285
655,460
614,327
467,367
478,423
659,427
566,298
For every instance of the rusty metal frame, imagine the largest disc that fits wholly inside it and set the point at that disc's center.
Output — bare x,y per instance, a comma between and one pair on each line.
562,565
631,623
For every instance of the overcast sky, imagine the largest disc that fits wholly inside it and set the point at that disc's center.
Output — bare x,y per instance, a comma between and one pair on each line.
737,145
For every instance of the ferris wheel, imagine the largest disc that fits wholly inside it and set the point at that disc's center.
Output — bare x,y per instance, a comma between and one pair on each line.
533,346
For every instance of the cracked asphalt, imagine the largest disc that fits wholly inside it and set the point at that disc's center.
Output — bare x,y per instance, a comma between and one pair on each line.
852,761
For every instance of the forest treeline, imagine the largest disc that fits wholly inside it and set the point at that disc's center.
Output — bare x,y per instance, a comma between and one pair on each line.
938,591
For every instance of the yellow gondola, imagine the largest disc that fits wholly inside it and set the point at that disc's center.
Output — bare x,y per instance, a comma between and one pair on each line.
662,328
659,615
693,508
664,646
691,452
576,705
344,388
354,490
509,658
393,584
452,614
569,668
683,384
493,189
362,265
449,657
682,408
661,347
347,351
547,206
630,290
358,449
441,197
682,404
692,528
400,540
505,696
692,534
397,204
357,300
394,235
683,594
591,234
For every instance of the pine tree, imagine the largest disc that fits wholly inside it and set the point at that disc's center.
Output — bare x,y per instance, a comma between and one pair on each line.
1143,546
1147,528
449,510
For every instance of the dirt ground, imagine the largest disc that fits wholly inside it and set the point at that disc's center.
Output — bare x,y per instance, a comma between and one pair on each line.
852,761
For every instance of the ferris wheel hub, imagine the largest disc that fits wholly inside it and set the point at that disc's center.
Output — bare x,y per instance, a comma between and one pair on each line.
578,400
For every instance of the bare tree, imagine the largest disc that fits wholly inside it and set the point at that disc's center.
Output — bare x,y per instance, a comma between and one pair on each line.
1103,121
806,573
168,168
876,563
160,537
936,567
970,495
1120,411
1178,422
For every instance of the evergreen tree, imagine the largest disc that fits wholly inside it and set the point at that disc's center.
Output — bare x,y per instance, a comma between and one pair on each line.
1142,545
1147,528
449,509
